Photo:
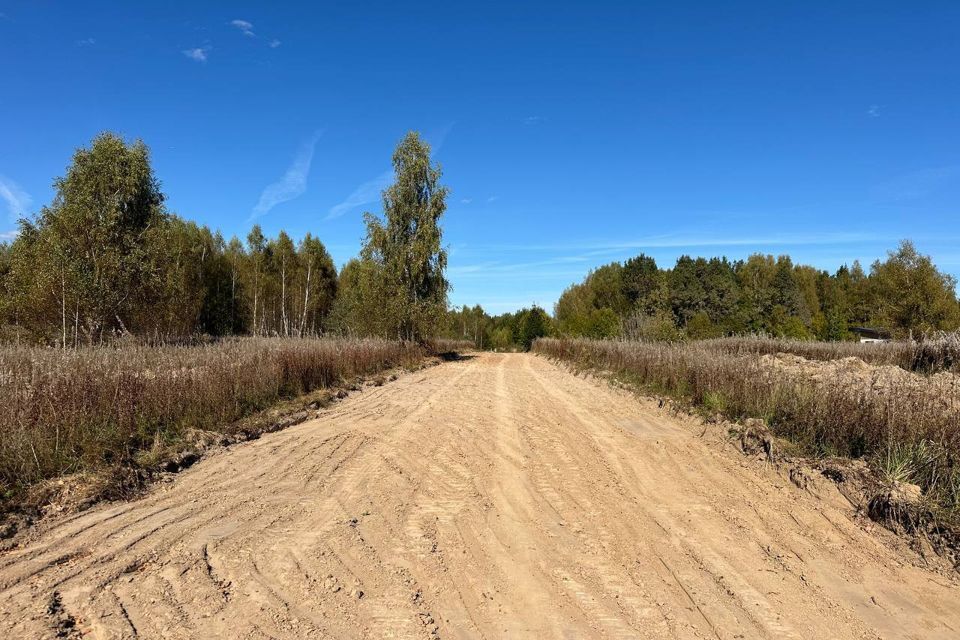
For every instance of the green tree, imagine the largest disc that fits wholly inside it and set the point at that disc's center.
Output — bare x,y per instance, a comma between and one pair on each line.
406,246
531,324
357,309
87,251
257,249
910,295
641,282
318,283
700,327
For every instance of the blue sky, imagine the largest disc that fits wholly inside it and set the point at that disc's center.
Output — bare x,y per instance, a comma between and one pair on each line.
570,134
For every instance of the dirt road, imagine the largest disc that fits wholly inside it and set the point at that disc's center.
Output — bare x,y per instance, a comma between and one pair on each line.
497,497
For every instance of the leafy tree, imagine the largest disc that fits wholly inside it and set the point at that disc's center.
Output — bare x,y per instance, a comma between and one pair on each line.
357,309
700,327
532,323
642,281
87,251
687,293
319,284
406,246
257,249
911,295
658,327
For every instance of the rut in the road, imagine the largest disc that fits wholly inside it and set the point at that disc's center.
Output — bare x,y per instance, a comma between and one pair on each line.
493,497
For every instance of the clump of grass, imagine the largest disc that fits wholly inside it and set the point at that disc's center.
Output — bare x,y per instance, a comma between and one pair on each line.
907,425
69,411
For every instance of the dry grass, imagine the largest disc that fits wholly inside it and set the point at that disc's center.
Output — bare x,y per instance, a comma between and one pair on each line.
63,412
934,353
905,424
447,345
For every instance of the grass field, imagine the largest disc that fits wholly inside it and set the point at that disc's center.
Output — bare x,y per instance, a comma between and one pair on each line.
93,408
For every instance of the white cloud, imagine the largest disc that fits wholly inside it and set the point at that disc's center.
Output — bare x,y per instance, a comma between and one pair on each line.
86,42
466,200
9,235
293,183
198,53
274,43
17,200
245,27
531,120
874,111
493,198
366,193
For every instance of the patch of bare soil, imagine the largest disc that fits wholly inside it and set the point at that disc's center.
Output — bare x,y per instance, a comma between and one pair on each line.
944,386
494,497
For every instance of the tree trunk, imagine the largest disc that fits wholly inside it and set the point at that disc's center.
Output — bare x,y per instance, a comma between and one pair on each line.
63,308
283,297
306,301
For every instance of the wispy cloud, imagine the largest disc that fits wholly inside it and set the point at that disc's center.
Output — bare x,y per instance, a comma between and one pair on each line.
9,235
466,200
874,110
274,43
532,120
17,200
245,27
493,198
198,54
437,137
293,183
370,190
366,193
86,42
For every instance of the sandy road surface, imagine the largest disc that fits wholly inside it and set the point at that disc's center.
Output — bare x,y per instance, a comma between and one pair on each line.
499,497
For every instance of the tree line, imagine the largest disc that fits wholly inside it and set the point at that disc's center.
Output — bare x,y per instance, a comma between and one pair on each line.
904,294
107,259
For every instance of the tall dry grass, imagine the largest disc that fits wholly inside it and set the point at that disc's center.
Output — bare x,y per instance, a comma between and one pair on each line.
895,419
938,352
449,345
73,410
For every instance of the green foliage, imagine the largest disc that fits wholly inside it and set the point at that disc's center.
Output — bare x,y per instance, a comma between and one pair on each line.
106,259
531,324
656,327
406,248
910,295
700,327
86,254
703,298
642,283
355,310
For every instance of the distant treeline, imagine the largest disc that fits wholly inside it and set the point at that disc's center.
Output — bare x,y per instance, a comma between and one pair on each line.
704,298
107,259
699,298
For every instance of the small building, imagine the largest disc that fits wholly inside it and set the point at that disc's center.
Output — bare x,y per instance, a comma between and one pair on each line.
871,334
